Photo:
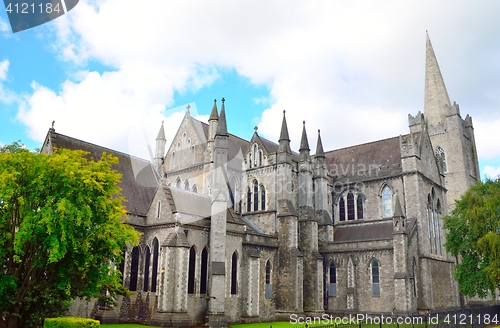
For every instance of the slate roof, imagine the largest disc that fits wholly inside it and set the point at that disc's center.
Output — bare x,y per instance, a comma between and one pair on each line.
138,182
236,143
367,232
189,202
386,152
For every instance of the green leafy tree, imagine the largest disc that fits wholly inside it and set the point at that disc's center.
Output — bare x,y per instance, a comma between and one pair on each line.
61,230
474,237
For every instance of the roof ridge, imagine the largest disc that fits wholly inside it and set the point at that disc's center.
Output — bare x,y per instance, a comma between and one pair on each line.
230,134
106,148
367,143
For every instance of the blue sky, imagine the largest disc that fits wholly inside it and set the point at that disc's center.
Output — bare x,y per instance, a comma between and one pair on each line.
109,72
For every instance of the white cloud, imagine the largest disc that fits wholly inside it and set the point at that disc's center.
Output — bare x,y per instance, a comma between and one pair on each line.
491,172
4,67
4,27
353,69
487,134
6,96
102,109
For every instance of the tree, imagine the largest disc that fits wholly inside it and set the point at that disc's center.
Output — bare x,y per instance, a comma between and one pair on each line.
61,231
474,236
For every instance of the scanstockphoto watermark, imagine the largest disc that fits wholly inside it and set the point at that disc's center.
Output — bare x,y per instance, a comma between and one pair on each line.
356,319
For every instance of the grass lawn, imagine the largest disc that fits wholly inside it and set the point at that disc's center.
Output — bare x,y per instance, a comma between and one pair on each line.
276,324
125,325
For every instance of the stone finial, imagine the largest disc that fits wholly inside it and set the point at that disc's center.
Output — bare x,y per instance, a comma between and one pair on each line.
319,147
161,133
304,143
214,115
222,126
398,210
284,141
284,129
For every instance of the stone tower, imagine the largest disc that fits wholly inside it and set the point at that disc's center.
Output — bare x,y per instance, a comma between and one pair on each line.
321,194
217,317
289,293
451,136
308,238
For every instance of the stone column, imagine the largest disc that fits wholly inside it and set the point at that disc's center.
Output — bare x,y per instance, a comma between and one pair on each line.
172,299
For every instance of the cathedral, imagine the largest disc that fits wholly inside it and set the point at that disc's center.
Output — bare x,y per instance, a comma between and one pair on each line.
238,230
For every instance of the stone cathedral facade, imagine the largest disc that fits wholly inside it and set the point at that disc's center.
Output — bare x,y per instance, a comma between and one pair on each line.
238,230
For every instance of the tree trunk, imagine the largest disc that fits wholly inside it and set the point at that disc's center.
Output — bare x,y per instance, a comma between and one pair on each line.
12,320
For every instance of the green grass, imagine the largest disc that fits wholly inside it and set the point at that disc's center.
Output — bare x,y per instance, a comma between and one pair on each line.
281,324
125,325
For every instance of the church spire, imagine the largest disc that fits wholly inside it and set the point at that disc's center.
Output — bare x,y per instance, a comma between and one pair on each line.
319,147
214,115
436,97
161,133
222,126
304,144
284,141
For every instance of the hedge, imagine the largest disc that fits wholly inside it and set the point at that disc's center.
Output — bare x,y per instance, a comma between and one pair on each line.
70,322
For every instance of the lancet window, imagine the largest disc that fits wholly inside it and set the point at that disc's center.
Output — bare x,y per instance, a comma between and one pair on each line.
375,278
351,206
434,223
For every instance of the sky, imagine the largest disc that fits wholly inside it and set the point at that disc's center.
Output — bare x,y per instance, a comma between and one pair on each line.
110,71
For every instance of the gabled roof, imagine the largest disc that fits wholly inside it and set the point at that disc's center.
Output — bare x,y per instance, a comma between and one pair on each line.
386,152
235,143
138,182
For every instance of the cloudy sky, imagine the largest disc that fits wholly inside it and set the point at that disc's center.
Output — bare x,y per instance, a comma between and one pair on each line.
110,71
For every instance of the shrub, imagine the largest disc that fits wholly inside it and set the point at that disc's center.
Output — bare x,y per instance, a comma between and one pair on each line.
71,322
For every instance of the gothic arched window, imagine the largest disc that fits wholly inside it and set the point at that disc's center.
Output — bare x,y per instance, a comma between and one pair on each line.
441,156
234,274
178,183
146,269
262,198
350,206
134,269
387,201
154,273
438,228
269,290
375,278
186,185
255,153
255,195
249,200
414,270
192,264
232,190
195,189
260,158
341,209
359,206
332,281
429,221
204,271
